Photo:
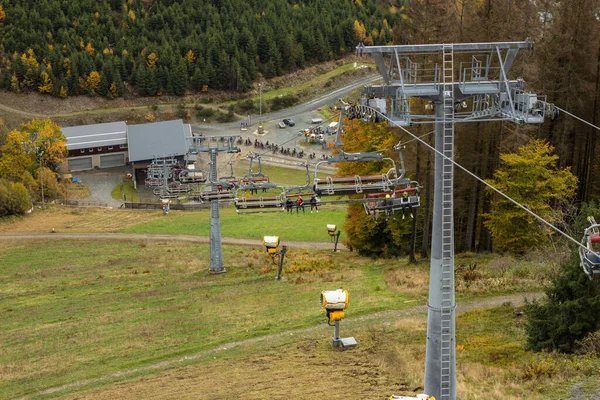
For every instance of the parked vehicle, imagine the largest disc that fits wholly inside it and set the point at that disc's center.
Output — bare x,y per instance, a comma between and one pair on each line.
282,125
317,120
289,122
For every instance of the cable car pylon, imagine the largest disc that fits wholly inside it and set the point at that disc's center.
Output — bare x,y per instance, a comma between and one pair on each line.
481,81
222,144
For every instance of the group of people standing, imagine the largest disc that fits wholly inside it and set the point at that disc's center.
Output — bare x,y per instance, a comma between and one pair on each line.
298,204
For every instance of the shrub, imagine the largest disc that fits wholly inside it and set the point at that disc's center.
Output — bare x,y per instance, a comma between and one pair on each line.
539,368
569,314
14,198
281,102
589,345
203,112
245,106
226,117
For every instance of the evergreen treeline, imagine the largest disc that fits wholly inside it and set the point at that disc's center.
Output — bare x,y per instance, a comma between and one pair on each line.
68,48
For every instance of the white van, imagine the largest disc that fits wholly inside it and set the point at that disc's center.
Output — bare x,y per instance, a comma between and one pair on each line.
317,120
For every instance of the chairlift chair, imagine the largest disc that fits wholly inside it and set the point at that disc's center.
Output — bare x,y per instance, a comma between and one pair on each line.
251,175
245,203
590,258
389,203
305,190
208,192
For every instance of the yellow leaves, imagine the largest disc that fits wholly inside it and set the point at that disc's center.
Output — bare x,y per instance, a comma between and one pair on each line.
67,66
131,15
114,90
50,46
359,30
124,53
151,59
393,10
150,117
374,34
96,15
14,83
90,49
28,58
107,51
46,85
93,82
190,57
2,14
63,92
24,144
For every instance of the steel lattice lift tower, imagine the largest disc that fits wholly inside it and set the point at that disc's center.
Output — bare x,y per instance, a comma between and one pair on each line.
214,145
479,90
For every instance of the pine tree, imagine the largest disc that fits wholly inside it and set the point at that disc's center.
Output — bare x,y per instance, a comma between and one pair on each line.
179,79
569,312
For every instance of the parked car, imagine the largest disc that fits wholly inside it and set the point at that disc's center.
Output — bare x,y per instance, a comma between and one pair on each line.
282,125
289,122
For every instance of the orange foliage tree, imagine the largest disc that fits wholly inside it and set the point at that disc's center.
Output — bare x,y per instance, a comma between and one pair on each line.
381,238
25,144
33,142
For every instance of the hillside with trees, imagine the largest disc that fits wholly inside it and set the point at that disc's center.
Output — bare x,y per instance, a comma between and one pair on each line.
565,67
156,47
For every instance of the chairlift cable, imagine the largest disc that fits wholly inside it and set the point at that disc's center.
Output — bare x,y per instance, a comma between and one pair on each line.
420,137
572,115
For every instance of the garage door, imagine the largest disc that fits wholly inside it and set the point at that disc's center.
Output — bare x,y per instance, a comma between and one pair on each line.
79,164
112,160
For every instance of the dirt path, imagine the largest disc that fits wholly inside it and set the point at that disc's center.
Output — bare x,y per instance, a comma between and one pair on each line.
382,318
145,236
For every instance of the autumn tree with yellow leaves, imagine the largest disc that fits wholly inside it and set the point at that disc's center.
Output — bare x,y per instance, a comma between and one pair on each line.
35,142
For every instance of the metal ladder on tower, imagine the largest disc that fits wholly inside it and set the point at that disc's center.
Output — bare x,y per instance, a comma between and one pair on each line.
447,312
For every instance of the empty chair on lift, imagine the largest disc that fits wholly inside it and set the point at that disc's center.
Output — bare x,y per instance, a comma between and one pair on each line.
245,203
346,185
216,195
589,252
222,192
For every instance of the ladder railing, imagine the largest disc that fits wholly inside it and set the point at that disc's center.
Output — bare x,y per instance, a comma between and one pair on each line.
447,295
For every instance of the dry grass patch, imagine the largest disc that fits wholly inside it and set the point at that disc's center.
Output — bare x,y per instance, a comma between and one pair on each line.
80,220
408,280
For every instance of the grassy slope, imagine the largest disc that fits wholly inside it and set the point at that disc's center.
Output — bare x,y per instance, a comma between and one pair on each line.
79,310
293,227
74,312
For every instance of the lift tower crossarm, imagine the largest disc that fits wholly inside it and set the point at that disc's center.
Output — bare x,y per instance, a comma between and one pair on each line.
436,48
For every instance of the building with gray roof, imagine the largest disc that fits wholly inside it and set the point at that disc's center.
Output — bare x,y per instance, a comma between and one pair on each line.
157,140
96,146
